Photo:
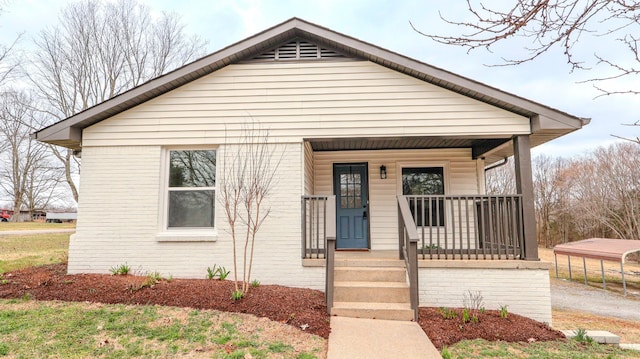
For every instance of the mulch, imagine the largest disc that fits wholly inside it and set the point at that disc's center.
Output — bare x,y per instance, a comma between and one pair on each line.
302,308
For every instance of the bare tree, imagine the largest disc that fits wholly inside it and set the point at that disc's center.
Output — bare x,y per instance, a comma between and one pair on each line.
8,63
549,24
99,50
26,174
249,175
501,179
605,191
550,201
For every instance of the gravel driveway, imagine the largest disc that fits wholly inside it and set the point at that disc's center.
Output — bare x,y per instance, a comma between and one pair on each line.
575,296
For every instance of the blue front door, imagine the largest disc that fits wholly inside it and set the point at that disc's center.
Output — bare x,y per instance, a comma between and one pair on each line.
350,184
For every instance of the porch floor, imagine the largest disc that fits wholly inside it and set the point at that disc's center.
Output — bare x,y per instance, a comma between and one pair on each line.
366,254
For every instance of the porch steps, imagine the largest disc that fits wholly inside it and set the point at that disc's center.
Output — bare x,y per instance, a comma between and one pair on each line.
371,288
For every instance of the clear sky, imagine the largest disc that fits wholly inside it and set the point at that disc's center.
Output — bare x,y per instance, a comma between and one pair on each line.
386,24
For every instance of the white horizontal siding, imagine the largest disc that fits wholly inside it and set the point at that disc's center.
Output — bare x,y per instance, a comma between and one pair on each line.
308,169
303,100
118,221
460,172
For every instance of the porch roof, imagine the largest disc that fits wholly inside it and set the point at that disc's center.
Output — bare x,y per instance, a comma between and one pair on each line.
479,146
546,123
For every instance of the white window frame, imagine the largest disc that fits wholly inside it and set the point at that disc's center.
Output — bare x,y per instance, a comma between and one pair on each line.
183,234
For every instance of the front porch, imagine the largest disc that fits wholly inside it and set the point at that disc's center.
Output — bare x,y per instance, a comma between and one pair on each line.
445,244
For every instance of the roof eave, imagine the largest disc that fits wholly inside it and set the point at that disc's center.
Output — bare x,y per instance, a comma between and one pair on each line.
547,118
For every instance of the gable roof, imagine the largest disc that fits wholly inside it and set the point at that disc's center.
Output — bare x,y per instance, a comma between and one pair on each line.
547,123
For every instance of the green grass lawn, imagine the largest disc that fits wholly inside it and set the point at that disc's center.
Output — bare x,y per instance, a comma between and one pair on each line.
33,329
22,251
19,226
570,349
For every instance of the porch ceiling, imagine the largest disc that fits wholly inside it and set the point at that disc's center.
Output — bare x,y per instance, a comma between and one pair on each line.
479,146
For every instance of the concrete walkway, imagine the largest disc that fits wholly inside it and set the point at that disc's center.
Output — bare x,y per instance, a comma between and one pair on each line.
353,338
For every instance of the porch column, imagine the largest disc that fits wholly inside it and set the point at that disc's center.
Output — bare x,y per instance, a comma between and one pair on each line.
524,186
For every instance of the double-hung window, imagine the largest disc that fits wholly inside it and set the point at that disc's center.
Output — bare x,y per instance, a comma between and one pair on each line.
191,189
421,181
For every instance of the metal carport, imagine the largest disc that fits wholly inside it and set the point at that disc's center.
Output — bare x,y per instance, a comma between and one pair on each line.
603,249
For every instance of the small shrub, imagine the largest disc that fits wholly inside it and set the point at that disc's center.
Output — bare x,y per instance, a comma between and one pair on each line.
169,278
211,272
255,283
237,295
503,311
151,280
122,269
465,316
221,273
447,313
446,354
156,276
581,336
473,300
482,310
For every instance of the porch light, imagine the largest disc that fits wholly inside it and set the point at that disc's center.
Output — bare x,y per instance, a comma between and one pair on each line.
383,172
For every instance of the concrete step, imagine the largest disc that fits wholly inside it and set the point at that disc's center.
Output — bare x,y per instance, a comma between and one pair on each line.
368,262
388,311
598,336
370,274
379,292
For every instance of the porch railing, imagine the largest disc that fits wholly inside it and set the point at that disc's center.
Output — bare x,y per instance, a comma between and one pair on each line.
319,236
314,223
409,250
468,227
330,232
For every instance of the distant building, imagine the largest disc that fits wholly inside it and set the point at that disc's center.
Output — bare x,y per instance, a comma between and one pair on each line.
59,217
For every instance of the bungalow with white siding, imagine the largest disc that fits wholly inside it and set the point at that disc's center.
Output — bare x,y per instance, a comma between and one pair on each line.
380,195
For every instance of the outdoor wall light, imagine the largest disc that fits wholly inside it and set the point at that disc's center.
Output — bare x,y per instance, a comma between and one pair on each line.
383,172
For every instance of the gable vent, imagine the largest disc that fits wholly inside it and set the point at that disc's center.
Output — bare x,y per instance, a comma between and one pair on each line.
298,50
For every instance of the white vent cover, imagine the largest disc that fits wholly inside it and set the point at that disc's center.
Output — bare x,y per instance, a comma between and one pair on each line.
298,50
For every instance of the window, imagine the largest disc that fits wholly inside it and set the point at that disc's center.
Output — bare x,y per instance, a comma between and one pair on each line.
422,181
191,189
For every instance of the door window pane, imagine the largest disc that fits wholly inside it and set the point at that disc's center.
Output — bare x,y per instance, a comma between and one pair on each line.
350,190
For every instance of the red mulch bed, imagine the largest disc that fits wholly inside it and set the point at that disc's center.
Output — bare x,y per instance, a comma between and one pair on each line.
490,326
294,306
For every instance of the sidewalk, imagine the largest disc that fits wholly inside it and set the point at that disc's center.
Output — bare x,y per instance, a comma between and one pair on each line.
355,338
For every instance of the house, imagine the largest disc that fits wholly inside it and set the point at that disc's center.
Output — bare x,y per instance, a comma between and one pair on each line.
384,159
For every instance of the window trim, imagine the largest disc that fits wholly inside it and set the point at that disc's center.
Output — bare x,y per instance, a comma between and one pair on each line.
413,164
182,234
